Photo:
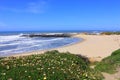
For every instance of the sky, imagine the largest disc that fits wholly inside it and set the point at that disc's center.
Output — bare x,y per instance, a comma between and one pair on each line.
37,15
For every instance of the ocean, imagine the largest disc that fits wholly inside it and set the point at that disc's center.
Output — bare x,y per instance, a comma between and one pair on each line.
12,43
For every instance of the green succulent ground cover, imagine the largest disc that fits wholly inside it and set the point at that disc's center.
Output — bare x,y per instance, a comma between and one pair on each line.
52,65
111,33
110,63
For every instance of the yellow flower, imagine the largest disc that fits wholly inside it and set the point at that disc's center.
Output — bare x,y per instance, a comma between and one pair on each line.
25,71
44,78
10,79
29,76
44,74
3,74
7,67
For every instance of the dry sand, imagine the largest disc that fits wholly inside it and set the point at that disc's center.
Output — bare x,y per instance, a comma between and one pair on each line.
115,76
93,46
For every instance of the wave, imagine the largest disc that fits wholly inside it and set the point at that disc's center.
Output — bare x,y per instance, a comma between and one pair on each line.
22,49
10,38
24,44
17,49
13,44
29,41
30,46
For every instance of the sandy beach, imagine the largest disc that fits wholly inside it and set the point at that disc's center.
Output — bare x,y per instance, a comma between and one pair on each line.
93,46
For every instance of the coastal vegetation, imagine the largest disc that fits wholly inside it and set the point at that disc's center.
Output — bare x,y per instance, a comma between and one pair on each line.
110,33
51,65
110,63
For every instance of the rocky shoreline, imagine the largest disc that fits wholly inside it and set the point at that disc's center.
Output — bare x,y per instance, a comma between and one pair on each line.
46,35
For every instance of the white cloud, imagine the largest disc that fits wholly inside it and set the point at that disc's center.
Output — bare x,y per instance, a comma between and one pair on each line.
31,7
37,7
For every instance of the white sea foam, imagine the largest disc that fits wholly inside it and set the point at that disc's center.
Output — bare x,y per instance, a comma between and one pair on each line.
19,48
2,45
19,44
24,44
9,38
28,41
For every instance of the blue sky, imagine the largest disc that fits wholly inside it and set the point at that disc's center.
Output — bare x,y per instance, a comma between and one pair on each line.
22,15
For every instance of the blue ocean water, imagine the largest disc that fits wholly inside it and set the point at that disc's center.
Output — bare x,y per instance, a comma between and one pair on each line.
12,43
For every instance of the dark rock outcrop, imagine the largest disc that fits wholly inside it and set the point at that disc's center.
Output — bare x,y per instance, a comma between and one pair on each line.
46,35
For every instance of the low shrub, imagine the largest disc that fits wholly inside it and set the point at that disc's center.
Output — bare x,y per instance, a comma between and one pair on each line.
52,65
110,63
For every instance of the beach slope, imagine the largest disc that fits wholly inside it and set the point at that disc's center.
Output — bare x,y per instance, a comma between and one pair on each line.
98,46
92,46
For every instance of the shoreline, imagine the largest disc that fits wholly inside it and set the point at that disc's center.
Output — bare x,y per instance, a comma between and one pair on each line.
95,47
42,51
